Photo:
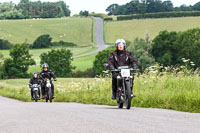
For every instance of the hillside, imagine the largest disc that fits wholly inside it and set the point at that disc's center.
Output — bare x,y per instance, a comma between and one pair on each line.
131,29
76,30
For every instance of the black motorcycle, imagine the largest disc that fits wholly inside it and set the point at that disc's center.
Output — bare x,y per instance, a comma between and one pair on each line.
36,96
48,91
124,86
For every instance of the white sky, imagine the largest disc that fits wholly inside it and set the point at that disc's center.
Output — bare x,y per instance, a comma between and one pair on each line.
99,6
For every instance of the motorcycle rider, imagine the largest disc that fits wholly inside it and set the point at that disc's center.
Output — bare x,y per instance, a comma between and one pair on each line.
120,57
34,80
46,73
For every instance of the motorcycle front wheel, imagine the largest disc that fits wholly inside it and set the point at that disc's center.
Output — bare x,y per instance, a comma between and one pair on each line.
36,96
128,95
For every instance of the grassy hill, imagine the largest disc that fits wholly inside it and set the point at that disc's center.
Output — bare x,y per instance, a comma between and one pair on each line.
131,29
76,30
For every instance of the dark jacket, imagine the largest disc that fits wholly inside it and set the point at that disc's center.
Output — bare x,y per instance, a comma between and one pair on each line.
34,81
47,74
121,58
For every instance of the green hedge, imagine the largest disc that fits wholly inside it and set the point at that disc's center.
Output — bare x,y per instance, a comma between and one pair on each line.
159,15
108,19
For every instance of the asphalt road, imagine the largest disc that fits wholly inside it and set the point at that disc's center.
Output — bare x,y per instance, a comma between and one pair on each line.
99,38
20,117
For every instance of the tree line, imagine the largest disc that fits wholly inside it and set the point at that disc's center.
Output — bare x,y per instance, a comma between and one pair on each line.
28,9
148,6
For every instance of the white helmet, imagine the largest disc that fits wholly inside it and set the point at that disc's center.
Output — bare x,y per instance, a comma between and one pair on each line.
120,41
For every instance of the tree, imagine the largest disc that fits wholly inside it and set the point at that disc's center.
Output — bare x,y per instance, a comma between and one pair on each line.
188,45
196,7
4,44
141,51
100,59
17,66
43,41
60,61
84,13
1,66
164,48
111,9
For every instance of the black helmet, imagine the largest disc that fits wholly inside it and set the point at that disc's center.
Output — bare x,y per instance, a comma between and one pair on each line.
45,65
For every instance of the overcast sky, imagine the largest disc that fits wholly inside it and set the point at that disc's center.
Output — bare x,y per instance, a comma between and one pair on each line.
99,6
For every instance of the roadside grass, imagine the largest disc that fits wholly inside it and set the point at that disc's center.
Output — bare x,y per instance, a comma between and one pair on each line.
131,29
169,91
76,30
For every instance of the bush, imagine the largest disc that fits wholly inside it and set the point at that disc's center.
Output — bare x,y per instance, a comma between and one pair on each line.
101,15
64,44
100,59
159,15
169,48
140,49
17,66
164,48
59,61
4,44
43,41
108,19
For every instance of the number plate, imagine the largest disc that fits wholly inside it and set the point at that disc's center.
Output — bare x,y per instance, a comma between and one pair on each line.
125,72
35,89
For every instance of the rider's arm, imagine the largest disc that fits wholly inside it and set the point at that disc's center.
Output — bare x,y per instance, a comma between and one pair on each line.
53,75
111,61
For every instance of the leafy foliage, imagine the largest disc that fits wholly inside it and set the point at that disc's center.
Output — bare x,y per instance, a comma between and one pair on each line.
43,41
141,51
100,59
159,15
169,48
28,9
17,66
84,13
148,6
4,44
59,61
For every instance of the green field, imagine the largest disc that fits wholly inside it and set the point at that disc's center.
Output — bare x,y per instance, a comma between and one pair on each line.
167,91
76,30
131,29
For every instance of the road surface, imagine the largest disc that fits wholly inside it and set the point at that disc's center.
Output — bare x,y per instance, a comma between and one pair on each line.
20,117
99,38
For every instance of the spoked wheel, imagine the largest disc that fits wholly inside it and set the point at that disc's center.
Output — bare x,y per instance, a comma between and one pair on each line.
50,95
35,95
128,96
